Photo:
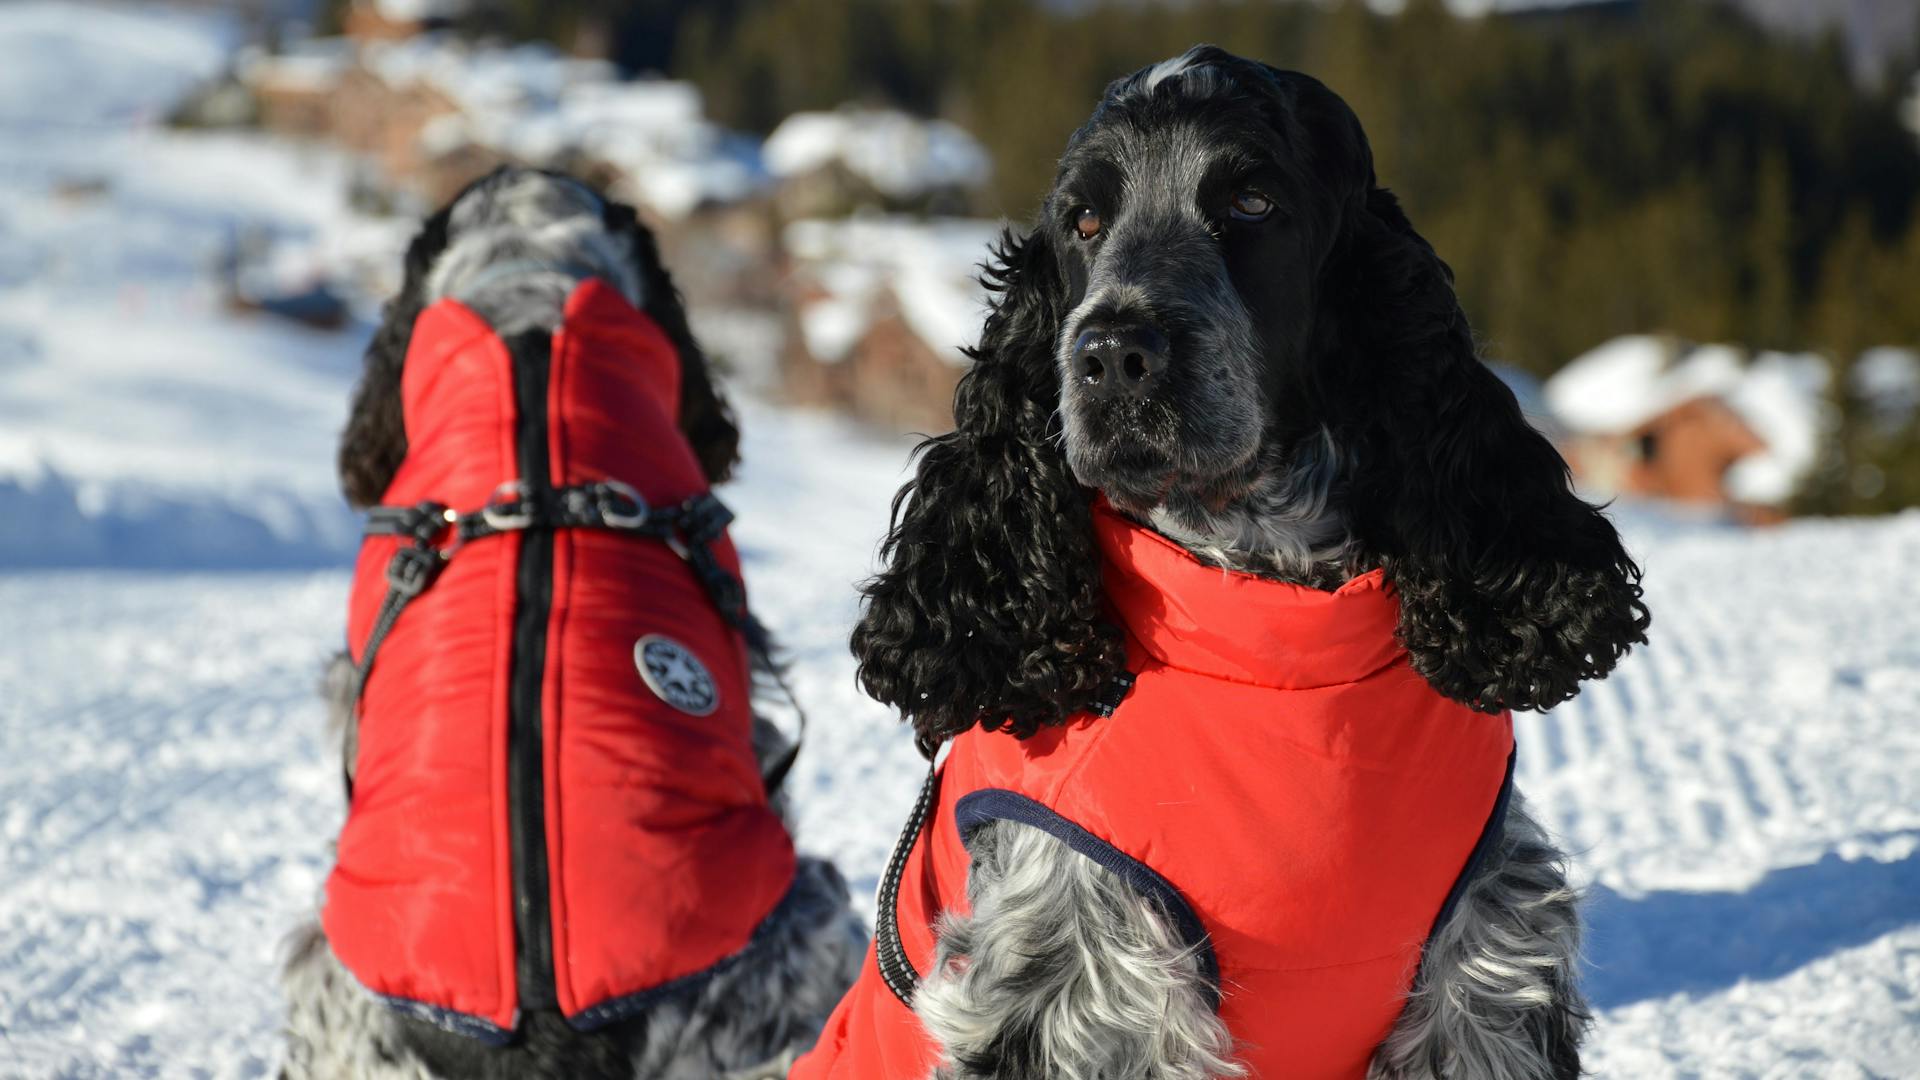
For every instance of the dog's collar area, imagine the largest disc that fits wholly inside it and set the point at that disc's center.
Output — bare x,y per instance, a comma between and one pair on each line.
498,272
1239,627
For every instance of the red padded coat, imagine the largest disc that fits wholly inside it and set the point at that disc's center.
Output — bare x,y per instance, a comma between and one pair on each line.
1278,776
512,751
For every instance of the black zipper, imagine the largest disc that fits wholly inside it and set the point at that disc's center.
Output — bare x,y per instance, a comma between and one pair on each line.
526,778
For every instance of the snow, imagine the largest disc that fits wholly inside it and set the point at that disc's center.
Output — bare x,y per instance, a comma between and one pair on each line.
1781,399
537,104
156,56
1887,379
899,154
929,269
1628,381
313,64
140,421
1910,105
654,131
832,326
482,77
422,10
1740,797
1624,383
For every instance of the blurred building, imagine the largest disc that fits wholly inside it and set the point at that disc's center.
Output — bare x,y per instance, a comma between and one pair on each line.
880,311
1705,425
832,163
837,231
376,20
431,111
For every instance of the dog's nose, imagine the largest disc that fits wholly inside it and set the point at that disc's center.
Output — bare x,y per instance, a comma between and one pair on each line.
1121,360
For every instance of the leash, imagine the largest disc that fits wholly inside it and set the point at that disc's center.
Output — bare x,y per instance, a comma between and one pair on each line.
688,529
890,954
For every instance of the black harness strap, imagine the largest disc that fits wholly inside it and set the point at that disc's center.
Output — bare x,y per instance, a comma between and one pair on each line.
689,529
895,969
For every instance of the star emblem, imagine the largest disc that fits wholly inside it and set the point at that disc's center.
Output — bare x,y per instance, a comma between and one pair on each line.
675,675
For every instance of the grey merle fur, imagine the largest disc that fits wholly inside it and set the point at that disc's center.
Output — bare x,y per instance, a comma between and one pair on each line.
512,247
1323,413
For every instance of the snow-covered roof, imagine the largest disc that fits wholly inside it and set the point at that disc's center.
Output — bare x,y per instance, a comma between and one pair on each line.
899,154
483,77
929,268
1910,106
1628,381
1624,383
1887,380
537,104
314,64
421,10
1781,400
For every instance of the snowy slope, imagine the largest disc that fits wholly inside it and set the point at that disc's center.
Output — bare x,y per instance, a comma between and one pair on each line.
167,798
1740,795
140,420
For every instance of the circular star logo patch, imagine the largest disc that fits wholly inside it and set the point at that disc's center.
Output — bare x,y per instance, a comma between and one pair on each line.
675,675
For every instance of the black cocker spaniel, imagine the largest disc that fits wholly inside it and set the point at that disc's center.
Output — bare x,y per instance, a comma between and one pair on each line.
1221,323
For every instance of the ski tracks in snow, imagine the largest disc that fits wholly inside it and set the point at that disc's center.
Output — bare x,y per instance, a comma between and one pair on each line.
1741,799
167,805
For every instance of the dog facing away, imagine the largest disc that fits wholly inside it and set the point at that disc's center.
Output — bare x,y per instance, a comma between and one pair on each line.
513,247
1223,330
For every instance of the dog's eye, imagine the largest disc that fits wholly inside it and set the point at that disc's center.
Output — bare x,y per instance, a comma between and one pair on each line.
1250,205
1086,222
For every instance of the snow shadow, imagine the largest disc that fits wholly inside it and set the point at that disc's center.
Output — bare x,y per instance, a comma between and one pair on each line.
53,523
1698,942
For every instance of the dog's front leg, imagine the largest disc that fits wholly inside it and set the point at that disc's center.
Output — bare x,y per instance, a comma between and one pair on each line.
1063,971
338,690
1497,995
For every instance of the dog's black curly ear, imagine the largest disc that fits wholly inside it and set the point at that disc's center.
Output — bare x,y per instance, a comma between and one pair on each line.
705,417
374,441
1512,589
988,607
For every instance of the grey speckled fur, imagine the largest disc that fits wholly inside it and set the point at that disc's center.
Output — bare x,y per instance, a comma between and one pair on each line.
1061,963
519,242
1063,971
1497,996
1285,527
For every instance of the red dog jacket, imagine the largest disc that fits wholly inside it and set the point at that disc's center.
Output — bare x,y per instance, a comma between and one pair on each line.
1300,801
555,801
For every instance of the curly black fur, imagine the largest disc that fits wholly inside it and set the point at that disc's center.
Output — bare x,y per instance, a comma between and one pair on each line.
1512,589
374,441
989,609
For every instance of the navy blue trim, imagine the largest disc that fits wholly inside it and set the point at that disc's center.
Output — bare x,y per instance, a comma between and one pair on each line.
627,1005
987,805
606,1012
1482,848
446,1019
